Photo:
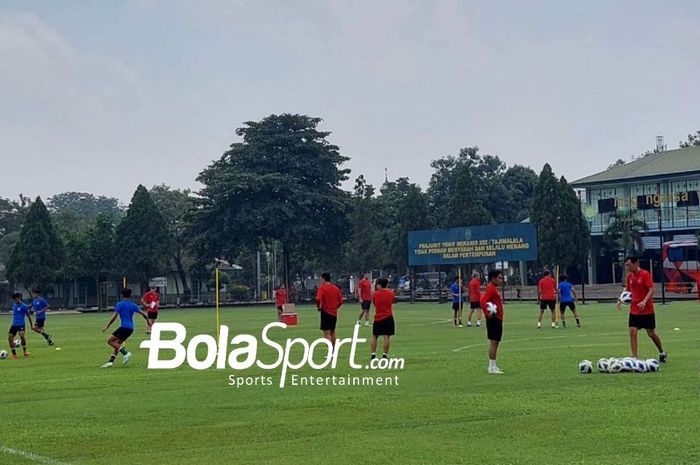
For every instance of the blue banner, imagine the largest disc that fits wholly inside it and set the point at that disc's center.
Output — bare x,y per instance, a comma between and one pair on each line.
473,244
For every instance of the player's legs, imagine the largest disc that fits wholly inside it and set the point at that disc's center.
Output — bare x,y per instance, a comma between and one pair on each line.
633,341
373,346
459,315
657,342
23,340
279,313
553,310
576,316
366,312
39,329
387,344
330,335
540,317
11,343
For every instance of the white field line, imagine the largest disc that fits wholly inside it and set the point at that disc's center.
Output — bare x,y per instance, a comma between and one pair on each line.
30,456
432,323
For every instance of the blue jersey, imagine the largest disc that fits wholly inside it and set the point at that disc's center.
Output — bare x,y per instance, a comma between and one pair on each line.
126,310
565,294
454,289
19,312
40,305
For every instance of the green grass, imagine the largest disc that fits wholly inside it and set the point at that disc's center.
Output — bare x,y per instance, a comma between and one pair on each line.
60,405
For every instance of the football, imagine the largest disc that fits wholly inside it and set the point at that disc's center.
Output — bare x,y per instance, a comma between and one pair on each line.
3,354
491,308
640,366
615,366
18,343
652,365
626,297
603,365
585,367
627,364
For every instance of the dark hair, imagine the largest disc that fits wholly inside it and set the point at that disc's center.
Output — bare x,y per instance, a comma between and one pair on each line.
383,282
326,277
16,295
36,291
126,292
493,274
546,272
563,278
632,259
457,278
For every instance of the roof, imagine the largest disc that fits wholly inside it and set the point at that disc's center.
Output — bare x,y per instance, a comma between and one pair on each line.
663,164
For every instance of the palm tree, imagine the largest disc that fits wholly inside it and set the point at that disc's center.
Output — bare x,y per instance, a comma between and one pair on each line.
624,232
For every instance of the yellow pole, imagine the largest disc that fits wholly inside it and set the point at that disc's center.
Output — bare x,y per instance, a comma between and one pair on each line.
556,302
613,272
123,282
218,315
459,275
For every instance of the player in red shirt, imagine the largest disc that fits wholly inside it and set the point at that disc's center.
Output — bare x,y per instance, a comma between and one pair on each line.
474,299
384,325
151,301
328,300
641,285
492,306
547,295
364,293
280,300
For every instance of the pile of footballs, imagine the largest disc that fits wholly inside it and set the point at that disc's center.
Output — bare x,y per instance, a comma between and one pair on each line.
620,365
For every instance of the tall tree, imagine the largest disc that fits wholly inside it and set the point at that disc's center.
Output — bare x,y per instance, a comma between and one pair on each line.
99,257
76,211
282,182
692,141
142,241
363,248
10,216
545,215
39,253
574,238
520,182
175,204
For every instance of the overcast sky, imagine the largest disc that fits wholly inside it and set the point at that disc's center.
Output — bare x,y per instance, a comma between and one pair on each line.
101,96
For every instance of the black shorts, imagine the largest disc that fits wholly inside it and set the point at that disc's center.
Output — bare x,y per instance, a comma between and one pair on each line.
40,323
494,329
152,315
457,306
280,308
563,306
122,333
385,327
14,329
551,304
328,321
642,321
365,304
476,305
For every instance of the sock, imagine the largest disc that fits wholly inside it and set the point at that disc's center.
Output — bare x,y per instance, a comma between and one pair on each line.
123,351
384,355
111,358
578,322
374,355
492,363
563,323
14,352
24,348
46,336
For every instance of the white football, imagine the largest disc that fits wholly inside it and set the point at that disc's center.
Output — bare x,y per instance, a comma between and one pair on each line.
626,297
3,354
640,366
18,343
491,308
615,366
652,364
585,367
627,364
603,365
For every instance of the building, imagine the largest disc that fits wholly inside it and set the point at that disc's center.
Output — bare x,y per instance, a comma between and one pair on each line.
661,189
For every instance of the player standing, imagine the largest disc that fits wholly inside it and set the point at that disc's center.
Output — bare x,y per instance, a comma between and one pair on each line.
457,301
125,310
475,299
384,324
567,299
280,300
151,300
492,306
364,291
19,312
40,306
328,300
641,285
546,292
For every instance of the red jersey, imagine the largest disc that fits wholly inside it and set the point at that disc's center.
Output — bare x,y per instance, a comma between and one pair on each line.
492,295
547,288
639,284
365,288
150,298
280,297
475,290
329,299
383,301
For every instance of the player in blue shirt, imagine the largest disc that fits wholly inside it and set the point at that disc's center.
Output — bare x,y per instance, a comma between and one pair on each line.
39,307
125,310
19,313
457,291
567,298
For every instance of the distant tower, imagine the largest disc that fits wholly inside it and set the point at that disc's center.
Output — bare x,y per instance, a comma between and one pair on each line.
385,186
660,146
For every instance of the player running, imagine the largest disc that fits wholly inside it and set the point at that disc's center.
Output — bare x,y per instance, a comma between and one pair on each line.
151,301
280,300
328,300
641,285
125,310
474,299
39,307
567,299
364,292
546,292
492,306
457,295
384,325
19,312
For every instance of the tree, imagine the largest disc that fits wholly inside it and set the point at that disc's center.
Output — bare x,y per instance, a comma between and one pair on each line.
10,216
574,238
282,182
76,211
545,215
39,253
520,183
364,248
175,204
99,257
692,141
624,232
618,162
142,241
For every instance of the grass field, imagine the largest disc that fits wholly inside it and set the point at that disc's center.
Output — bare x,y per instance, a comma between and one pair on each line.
62,408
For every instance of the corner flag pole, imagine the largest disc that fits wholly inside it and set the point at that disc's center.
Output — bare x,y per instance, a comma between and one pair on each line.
218,311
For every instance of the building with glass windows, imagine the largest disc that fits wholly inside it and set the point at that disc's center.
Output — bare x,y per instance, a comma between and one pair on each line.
662,190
